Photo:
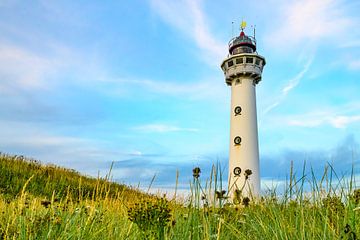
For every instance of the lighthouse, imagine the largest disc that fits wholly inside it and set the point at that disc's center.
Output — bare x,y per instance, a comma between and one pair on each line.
242,69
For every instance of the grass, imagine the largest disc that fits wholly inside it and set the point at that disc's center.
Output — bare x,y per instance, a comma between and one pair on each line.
50,181
47,202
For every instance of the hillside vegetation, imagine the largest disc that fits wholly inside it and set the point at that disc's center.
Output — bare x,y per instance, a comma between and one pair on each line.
50,181
48,202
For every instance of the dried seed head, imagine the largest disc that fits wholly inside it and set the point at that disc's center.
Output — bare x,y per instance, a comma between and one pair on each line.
248,172
246,201
196,172
220,194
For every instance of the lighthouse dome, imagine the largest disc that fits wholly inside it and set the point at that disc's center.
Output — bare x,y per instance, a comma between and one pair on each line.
242,44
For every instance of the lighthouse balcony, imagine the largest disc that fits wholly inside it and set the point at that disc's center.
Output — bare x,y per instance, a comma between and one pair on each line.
244,65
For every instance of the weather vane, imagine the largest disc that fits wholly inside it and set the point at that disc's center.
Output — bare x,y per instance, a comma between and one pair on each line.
242,25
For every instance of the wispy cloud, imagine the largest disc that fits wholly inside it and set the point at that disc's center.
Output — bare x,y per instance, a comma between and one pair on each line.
344,121
31,135
35,141
163,128
351,44
22,68
354,65
315,120
188,17
208,89
290,85
309,20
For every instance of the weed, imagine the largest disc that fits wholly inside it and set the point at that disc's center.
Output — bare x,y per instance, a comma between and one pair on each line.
151,216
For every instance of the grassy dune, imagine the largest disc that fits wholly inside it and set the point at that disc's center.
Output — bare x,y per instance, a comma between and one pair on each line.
50,181
48,202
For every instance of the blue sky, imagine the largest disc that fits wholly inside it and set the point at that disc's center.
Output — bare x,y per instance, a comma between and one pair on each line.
139,83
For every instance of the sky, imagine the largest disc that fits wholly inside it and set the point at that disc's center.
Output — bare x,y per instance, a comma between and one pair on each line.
85,84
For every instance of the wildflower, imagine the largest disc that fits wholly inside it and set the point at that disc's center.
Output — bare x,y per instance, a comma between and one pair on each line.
196,172
150,215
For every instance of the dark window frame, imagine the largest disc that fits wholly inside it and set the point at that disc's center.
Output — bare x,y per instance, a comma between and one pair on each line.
239,61
250,60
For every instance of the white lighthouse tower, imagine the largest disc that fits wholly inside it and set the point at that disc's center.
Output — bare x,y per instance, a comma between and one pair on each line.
242,69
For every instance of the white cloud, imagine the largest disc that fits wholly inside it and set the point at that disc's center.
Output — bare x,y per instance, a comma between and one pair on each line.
163,128
23,68
188,17
343,121
291,84
315,120
306,122
351,44
272,106
310,20
84,154
211,89
128,173
136,153
31,135
354,65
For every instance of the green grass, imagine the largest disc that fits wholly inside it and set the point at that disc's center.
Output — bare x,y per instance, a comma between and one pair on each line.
50,181
55,203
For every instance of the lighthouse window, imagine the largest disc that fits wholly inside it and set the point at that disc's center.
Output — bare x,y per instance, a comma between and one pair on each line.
237,140
237,171
237,110
249,60
239,60
257,62
230,63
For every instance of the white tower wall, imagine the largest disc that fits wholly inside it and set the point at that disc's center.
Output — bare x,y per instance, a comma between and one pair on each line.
246,154
242,69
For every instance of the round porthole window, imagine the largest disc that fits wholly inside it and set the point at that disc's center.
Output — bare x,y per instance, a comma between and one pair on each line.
237,171
237,110
237,140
